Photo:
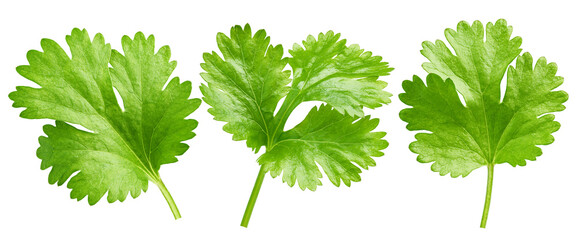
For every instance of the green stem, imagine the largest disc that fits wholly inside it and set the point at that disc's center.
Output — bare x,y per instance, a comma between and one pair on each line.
168,198
291,101
253,197
491,168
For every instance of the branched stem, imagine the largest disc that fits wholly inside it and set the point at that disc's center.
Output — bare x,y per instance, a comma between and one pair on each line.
291,101
253,197
168,198
490,168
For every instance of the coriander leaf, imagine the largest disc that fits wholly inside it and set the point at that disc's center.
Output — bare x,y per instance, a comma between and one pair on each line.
335,141
124,149
530,98
451,145
344,77
485,130
244,87
480,62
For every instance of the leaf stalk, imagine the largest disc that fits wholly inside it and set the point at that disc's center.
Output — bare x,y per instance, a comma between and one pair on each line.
490,168
168,198
253,197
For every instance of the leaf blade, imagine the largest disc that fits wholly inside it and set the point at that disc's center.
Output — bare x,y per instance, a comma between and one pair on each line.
111,158
508,131
345,77
330,139
244,88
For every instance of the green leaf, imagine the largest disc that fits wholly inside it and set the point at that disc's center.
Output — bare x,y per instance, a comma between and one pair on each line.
480,62
344,77
338,143
245,86
123,149
482,131
452,143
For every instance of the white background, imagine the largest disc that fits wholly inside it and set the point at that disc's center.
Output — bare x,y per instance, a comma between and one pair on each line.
398,199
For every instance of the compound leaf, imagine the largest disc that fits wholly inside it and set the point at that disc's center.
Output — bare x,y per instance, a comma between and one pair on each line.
245,86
